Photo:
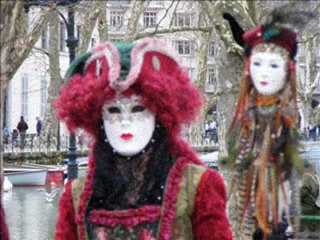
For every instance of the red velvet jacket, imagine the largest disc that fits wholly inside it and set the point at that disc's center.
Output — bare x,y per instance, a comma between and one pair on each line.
194,207
4,234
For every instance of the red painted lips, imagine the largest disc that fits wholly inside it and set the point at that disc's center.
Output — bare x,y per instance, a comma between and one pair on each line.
264,83
127,136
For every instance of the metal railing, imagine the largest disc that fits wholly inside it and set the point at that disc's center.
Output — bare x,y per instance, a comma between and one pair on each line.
48,143
34,143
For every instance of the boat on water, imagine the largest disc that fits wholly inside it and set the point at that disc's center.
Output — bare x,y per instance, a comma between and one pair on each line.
30,174
24,176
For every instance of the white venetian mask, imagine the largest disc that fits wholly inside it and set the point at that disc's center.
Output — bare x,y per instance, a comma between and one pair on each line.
129,126
268,72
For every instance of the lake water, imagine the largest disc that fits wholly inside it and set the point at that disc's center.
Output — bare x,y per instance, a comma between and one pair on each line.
30,214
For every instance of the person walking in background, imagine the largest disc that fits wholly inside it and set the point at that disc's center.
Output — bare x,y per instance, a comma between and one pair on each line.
22,128
6,135
14,135
38,126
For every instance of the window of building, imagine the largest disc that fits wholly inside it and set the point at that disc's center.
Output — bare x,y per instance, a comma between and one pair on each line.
43,96
191,73
183,19
93,42
149,19
211,78
183,47
45,39
116,18
24,96
62,37
115,39
211,49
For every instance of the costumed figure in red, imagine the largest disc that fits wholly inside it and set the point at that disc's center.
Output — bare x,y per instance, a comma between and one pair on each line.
144,181
263,146
4,233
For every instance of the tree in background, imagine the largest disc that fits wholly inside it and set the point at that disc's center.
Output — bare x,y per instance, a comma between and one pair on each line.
308,72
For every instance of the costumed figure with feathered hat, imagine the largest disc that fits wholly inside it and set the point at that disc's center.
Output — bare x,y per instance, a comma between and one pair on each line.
263,139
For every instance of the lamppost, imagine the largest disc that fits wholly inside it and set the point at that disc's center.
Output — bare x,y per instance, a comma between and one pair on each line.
72,43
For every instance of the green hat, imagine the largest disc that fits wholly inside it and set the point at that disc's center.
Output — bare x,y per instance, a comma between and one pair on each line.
79,64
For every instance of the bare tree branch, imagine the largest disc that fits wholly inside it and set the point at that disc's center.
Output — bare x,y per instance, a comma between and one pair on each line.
137,9
14,52
172,30
42,50
164,16
174,11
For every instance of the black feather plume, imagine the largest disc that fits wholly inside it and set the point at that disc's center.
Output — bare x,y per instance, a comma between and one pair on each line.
236,29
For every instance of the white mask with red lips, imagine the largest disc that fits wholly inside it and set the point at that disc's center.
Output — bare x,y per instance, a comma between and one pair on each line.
128,125
268,72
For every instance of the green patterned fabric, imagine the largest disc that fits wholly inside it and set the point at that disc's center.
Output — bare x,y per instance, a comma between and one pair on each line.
271,33
181,227
125,53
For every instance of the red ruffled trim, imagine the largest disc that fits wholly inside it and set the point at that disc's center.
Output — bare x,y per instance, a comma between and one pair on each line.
85,197
171,196
129,218
66,228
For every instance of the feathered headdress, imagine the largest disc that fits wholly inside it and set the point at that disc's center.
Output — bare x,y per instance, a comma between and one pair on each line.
275,29
280,28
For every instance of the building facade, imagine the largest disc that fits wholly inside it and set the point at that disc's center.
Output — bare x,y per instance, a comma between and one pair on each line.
28,90
27,94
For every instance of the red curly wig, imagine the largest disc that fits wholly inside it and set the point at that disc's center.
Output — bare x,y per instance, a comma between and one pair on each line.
163,84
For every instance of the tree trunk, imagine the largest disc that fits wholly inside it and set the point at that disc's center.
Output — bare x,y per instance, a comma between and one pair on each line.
102,21
197,129
306,111
56,80
89,20
229,76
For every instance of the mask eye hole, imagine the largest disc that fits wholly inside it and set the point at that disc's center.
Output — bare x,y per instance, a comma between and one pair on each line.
256,64
138,108
274,65
114,110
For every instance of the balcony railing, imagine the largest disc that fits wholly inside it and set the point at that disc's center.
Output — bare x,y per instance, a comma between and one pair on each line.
33,143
